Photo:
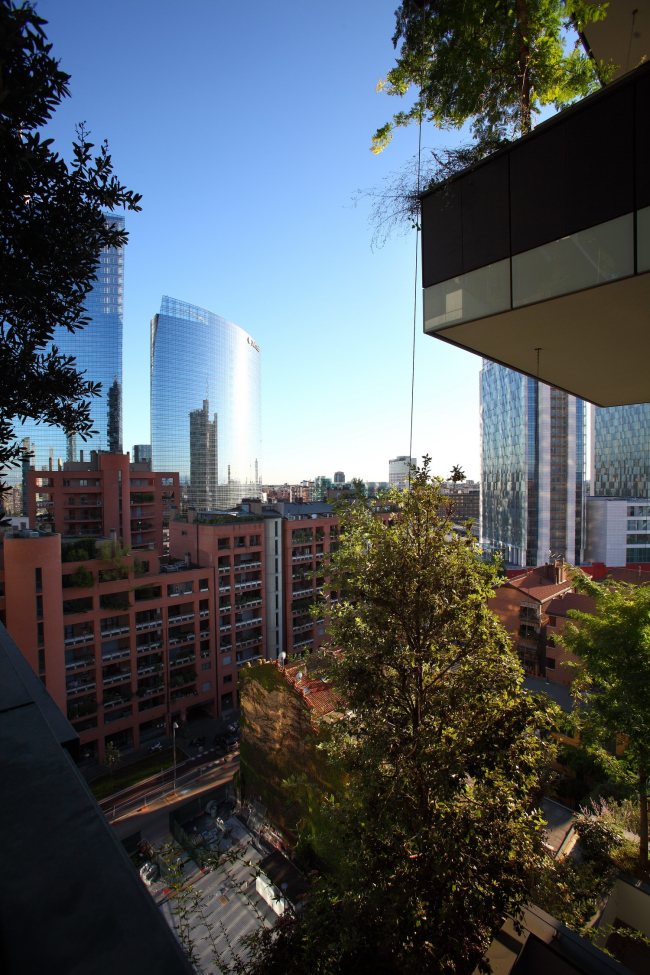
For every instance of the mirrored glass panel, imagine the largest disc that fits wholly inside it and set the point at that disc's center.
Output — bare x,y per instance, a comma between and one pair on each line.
643,240
476,294
583,260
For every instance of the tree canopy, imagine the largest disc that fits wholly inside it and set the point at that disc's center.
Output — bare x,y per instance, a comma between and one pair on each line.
52,230
612,680
433,840
492,64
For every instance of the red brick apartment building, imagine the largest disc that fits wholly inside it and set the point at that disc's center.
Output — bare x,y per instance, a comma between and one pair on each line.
103,494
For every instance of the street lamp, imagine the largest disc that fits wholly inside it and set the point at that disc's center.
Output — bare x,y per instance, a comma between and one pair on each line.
174,730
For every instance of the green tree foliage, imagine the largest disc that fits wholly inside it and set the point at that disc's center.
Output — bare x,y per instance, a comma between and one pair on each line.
457,474
81,578
434,838
612,680
491,64
112,758
52,229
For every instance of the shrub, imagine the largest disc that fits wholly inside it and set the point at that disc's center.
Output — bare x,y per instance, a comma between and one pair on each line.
82,578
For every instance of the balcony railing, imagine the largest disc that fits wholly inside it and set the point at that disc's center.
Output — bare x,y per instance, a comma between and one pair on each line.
149,691
247,565
146,647
252,584
224,589
117,678
183,638
182,660
302,592
249,604
185,618
82,662
80,688
302,558
225,609
302,644
117,654
226,628
203,613
303,627
149,624
223,569
242,624
256,656
73,641
240,644
149,669
118,631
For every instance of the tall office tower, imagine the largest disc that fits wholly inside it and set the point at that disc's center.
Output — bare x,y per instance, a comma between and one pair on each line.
142,454
398,471
532,469
620,448
339,477
205,404
97,349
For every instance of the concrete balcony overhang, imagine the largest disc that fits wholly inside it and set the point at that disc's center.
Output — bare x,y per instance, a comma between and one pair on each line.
538,257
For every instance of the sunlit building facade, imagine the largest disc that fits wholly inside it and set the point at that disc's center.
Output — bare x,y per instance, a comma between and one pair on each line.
205,404
532,469
97,350
621,451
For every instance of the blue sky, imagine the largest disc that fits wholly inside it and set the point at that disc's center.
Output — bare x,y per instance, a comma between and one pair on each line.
247,128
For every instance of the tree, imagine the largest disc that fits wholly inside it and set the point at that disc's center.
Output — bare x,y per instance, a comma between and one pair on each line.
492,64
613,682
52,230
457,474
434,838
112,759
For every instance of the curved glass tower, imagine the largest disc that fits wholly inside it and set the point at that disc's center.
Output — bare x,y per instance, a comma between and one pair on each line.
205,405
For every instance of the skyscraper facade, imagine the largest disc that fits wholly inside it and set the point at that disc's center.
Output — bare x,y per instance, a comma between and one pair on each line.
97,350
399,469
532,469
205,404
620,442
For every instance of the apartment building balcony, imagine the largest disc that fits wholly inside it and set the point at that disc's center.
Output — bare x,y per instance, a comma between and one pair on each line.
241,659
302,644
174,641
115,631
253,564
204,613
302,558
241,603
115,699
204,634
225,628
242,624
149,669
225,609
81,684
224,568
150,686
73,641
538,257
183,679
183,658
184,692
118,654
224,589
248,584
120,678
75,663
149,624
303,627
149,703
302,592
248,642
181,618
151,645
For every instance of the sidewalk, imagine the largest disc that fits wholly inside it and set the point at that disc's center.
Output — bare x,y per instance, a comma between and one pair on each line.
208,727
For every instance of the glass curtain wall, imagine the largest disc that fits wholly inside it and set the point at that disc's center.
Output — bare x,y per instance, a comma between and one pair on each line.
532,469
97,350
205,405
621,451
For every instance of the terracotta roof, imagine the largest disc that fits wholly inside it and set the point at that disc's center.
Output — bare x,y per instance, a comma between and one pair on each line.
571,600
632,576
537,586
318,695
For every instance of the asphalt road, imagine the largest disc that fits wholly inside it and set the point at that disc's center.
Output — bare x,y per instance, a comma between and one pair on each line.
140,789
154,823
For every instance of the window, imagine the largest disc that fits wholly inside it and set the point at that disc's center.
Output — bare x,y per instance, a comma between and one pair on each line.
41,661
167,481
240,541
550,663
206,686
39,579
207,665
40,636
227,679
254,540
552,621
204,584
226,701
183,533
223,543
226,660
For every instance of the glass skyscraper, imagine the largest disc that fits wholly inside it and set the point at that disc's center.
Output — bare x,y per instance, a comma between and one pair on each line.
97,350
532,469
205,405
620,466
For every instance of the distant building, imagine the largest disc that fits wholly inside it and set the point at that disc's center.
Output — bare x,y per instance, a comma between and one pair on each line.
399,470
142,454
339,477
532,469
617,531
620,441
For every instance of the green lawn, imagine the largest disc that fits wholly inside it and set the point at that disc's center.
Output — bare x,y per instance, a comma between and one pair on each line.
135,772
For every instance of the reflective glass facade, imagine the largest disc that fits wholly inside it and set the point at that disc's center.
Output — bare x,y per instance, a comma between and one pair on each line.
532,469
205,405
97,349
621,451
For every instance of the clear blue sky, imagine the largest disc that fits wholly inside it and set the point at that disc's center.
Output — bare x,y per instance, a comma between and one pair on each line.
247,127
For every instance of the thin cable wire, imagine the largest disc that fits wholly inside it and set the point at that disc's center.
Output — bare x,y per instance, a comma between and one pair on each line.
417,245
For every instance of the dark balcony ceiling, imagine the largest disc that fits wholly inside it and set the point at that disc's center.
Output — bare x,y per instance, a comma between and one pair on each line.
594,344
618,39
